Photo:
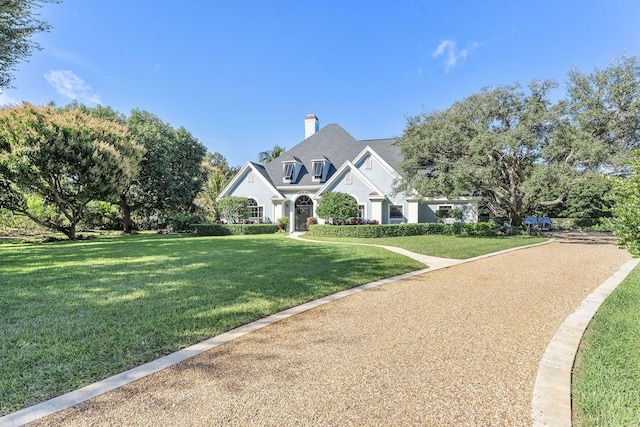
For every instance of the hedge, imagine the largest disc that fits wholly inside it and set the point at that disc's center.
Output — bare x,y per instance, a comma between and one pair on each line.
232,229
397,230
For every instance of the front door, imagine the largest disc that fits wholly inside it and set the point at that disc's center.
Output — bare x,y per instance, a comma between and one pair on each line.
304,210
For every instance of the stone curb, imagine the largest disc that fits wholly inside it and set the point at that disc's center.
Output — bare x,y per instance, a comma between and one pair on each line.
67,400
551,405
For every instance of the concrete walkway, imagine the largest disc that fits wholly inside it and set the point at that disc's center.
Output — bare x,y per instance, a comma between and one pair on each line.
252,351
432,263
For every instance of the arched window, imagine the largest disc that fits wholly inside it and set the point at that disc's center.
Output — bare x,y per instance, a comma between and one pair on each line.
256,213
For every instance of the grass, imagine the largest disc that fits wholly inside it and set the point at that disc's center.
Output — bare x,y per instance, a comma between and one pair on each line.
72,313
606,380
444,246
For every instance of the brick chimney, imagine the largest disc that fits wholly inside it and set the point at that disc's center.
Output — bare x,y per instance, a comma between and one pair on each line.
311,125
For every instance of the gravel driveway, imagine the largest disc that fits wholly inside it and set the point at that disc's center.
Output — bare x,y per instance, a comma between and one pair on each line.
458,346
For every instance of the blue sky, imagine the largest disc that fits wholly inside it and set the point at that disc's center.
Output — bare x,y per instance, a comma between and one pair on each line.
242,75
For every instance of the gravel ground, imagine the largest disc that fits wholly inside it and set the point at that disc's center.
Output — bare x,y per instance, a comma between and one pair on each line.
459,346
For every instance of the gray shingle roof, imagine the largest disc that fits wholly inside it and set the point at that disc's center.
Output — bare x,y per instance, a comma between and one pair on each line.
337,146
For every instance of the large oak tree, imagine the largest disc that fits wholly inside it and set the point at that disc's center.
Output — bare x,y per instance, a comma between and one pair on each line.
518,149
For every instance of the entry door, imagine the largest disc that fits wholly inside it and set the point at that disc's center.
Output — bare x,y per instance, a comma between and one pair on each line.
304,210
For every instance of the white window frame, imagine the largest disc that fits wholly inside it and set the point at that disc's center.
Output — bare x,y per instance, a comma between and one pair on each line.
287,171
368,163
348,179
257,208
401,217
314,166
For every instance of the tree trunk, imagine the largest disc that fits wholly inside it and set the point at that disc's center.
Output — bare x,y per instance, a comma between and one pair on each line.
127,224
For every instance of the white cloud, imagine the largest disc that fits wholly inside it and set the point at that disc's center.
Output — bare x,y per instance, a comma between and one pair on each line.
69,84
452,55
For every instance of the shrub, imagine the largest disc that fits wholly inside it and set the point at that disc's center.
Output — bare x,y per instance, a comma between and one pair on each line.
232,229
283,223
337,207
399,230
179,222
449,213
234,209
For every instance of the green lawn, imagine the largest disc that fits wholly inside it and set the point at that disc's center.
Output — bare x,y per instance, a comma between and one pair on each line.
72,313
75,312
444,246
606,380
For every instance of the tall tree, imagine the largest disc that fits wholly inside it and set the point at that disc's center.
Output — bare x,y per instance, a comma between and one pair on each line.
491,142
18,22
520,151
170,173
267,156
67,158
604,109
218,173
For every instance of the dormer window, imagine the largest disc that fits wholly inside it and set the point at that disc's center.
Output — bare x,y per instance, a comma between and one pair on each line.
319,170
287,172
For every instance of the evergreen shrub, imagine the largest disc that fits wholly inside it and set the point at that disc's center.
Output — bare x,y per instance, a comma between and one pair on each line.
233,229
398,230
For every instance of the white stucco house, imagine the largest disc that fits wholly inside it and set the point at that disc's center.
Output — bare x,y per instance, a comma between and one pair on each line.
330,159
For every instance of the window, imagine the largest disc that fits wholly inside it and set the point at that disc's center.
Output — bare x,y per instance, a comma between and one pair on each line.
348,179
317,170
395,212
361,211
250,176
368,164
255,211
288,171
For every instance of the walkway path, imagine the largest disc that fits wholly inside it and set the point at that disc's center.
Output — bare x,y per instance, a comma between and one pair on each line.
455,346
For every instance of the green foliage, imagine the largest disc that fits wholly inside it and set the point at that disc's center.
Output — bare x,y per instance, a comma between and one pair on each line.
589,198
605,389
233,229
625,220
101,215
179,222
337,207
18,23
171,173
449,213
218,174
518,149
283,223
66,157
397,230
234,209
265,157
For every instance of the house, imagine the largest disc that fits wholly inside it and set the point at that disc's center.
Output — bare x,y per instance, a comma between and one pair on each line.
330,159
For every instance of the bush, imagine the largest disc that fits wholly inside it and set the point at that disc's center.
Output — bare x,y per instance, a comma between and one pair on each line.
337,207
233,229
283,223
179,222
399,230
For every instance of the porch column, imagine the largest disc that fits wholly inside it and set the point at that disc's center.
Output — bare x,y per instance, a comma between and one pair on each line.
376,207
413,213
278,208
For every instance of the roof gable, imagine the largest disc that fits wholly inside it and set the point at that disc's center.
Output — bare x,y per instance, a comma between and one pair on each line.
335,145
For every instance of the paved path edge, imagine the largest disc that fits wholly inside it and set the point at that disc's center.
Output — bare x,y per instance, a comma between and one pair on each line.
41,410
551,404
